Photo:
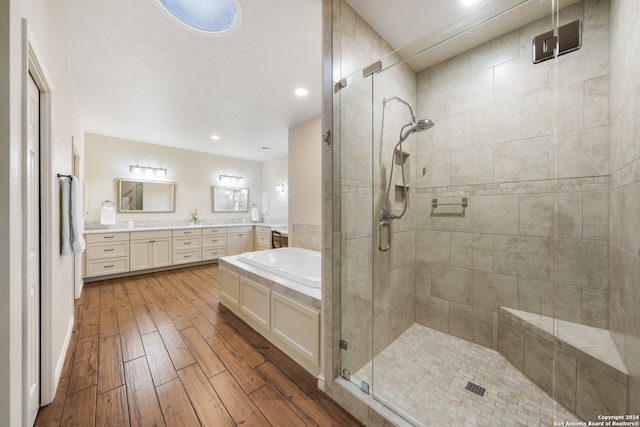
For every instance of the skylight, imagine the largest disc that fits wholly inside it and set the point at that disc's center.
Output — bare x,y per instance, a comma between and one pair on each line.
211,16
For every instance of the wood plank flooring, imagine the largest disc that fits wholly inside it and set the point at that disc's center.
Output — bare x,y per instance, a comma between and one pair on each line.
159,350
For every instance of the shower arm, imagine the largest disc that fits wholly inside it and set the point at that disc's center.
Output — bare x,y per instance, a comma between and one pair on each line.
395,98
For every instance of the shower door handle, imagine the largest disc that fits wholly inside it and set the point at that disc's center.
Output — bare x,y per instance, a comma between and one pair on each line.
381,226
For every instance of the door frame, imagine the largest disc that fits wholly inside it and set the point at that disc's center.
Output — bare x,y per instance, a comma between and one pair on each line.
33,63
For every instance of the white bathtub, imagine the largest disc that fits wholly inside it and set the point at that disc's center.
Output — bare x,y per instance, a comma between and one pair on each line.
300,265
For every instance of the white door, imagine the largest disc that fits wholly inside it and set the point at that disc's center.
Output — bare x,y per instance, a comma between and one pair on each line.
32,298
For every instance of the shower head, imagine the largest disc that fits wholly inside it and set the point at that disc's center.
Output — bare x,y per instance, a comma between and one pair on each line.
416,126
422,124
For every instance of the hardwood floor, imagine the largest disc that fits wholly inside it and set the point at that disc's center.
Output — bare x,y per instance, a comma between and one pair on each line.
158,349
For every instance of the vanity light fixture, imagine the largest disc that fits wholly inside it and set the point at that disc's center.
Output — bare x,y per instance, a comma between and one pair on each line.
147,170
232,179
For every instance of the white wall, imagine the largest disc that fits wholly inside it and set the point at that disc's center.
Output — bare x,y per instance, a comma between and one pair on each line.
274,173
109,158
305,184
42,20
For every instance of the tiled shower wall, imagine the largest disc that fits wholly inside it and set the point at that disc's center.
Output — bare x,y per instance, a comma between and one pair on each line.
624,243
394,293
529,146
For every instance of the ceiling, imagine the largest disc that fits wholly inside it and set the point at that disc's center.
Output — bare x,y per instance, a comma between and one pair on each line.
141,75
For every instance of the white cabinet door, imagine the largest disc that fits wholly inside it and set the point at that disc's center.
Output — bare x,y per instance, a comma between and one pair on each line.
297,327
229,289
255,304
246,242
140,255
161,252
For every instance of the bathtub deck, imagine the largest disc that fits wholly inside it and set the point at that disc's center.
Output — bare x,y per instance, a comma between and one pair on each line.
425,373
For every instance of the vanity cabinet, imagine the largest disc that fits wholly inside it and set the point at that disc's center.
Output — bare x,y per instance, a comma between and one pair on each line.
187,245
263,237
239,240
150,249
214,243
106,253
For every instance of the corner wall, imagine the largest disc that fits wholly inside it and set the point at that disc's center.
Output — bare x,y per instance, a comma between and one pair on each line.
624,224
305,185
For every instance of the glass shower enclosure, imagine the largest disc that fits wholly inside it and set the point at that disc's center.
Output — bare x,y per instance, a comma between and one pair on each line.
473,191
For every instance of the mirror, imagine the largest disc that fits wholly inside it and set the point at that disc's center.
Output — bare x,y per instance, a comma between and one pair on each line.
146,196
229,199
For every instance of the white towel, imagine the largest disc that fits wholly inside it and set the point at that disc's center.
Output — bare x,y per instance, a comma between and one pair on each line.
108,215
255,216
71,217
65,216
77,223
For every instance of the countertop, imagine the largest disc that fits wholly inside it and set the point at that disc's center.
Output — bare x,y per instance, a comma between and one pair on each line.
278,227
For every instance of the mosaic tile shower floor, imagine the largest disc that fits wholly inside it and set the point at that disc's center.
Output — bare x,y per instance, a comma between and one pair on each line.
424,373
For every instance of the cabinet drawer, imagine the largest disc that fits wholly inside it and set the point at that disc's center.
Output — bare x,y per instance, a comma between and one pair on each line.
262,229
109,266
263,239
107,250
213,253
150,235
187,232
240,229
186,243
209,241
106,237
186,256
263,246
212,231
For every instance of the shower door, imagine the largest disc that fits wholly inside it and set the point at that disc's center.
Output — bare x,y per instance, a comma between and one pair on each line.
357,234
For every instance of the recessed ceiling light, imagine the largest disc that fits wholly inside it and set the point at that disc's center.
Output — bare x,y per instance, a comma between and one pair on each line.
301,92
469,2
215,137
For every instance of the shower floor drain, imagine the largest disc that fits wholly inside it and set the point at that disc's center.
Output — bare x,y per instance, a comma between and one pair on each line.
476,388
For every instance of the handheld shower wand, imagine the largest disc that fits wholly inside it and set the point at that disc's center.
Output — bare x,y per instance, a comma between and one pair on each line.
412,127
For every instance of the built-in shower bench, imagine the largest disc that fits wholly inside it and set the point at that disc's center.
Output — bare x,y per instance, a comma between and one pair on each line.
588,376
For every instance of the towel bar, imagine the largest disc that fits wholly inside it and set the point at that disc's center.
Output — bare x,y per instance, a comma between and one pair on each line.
64,176
464,204
106,202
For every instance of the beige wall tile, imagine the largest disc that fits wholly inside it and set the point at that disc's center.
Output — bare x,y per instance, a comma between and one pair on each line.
494,214
596,101
598,394
584,153
595,215
451,283
511,342
594,310
522,160
490,291
582,263
432,312
569,215
536,214
432,246
472,166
